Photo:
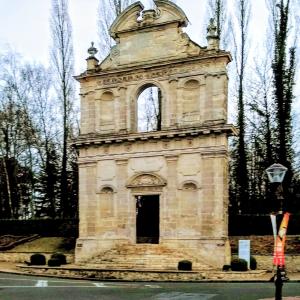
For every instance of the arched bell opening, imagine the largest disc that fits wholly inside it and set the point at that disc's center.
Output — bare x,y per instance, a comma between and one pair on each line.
149,107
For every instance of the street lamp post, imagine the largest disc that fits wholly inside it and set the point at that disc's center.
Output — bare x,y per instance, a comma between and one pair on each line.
276,174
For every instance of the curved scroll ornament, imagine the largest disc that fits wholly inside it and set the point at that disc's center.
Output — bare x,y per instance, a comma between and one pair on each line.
146,180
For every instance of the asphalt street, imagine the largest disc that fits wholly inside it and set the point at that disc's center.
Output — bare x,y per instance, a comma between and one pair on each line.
18,287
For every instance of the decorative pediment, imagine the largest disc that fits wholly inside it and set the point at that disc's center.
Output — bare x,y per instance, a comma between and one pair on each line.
149,36
146,180
135,17
127,19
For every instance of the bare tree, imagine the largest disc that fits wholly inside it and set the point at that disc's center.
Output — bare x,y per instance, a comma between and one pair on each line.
17,138
107,12
149,110
44,116
240,47
63,61
217,9
261,133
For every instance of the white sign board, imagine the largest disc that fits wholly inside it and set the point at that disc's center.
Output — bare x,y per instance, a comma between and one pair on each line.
244,250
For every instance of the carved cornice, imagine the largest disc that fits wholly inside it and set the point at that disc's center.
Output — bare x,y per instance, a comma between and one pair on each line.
95,139
125,71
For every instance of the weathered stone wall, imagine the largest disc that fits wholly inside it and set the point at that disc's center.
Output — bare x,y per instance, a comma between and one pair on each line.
292,262
193,201
21,257
133,275
184,162
264,245
192,94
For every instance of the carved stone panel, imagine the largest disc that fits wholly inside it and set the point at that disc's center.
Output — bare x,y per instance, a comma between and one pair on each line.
146,180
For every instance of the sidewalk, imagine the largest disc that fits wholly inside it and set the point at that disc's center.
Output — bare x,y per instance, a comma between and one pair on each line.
92,273
9,267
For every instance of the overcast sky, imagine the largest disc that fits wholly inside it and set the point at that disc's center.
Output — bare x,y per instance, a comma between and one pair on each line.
24,27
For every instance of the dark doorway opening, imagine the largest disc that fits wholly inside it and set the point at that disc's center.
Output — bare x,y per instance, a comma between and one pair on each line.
147,219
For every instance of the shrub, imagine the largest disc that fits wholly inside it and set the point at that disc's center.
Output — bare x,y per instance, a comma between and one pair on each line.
253,263
239,264
54,262
61,257
37,259
226,268
185,265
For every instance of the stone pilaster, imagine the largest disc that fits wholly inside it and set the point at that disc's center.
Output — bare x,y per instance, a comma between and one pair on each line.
170,206
125,216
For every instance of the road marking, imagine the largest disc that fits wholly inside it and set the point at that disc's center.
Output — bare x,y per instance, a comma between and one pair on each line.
152,286
17,279
65,284
42,283
51,286
99,285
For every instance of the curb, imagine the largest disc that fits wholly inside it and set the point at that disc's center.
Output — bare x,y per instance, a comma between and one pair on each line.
144,275
90,278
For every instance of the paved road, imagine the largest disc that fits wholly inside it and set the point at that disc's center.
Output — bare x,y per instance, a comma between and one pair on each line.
16,287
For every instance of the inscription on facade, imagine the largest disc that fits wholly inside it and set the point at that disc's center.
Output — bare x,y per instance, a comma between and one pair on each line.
155,74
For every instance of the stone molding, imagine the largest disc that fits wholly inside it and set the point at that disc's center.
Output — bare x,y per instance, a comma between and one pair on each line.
94,139
164,69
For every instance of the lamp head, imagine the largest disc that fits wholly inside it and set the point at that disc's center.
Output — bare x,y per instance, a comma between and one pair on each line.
276,173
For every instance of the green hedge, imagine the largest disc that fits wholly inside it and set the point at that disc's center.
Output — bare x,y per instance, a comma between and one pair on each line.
239,264
185,265
259,225
37,259
54,262
253,263
60,257
43,227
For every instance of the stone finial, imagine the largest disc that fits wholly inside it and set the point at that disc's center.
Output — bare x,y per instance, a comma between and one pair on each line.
213,39
212,29
92,61
92,51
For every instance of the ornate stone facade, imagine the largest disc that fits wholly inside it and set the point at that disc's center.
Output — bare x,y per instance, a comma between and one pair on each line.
182,166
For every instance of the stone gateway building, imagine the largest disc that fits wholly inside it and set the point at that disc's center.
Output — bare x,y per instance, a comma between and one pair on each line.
154,192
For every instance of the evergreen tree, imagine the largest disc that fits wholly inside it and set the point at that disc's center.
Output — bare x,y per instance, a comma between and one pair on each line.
63,61
239,190
284,65
47,202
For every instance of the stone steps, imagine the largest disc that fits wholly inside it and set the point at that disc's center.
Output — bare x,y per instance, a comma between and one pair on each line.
144,256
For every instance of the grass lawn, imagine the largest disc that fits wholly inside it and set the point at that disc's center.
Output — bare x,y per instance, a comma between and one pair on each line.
47,244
